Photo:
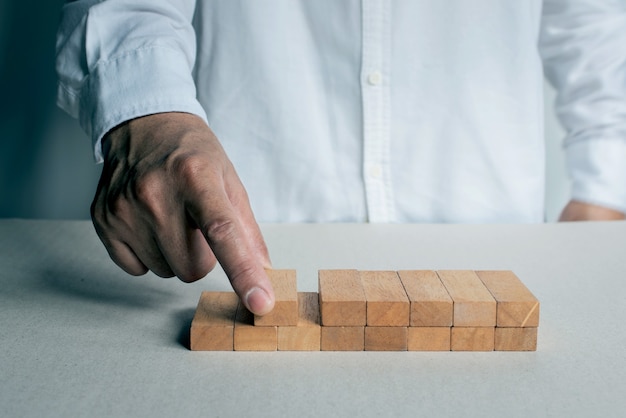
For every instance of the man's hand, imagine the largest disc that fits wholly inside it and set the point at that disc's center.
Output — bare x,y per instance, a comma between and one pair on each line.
580,211
169,200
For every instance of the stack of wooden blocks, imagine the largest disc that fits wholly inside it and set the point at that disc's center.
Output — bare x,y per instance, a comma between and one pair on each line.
416,310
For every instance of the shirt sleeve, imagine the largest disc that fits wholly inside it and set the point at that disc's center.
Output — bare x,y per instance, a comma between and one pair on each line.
121,59
583,46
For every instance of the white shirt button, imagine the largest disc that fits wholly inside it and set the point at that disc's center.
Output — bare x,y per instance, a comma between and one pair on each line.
374,78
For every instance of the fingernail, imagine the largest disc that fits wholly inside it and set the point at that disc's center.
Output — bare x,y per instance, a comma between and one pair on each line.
258,301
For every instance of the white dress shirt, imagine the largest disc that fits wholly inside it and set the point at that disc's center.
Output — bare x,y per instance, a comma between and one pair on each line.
371,110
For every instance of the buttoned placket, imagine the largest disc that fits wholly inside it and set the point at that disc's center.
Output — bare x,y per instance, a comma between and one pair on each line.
375,94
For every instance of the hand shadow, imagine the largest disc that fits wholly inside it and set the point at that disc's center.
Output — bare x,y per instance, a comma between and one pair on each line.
97,287
115,290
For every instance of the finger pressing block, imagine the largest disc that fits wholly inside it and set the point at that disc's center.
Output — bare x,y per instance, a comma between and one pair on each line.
285,310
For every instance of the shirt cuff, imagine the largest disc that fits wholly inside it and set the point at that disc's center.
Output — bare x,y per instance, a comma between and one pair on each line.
597,169
145,81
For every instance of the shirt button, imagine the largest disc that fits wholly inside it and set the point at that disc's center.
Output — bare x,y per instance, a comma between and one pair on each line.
375,172
374,78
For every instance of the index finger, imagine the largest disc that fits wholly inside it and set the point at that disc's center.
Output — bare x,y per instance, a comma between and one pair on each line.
225,233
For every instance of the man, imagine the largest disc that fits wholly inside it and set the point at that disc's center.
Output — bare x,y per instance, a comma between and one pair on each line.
353,111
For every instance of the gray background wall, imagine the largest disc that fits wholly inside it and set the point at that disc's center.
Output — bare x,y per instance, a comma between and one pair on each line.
46,164
46,168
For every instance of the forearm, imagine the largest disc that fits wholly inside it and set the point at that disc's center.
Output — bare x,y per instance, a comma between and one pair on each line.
582,43
581,211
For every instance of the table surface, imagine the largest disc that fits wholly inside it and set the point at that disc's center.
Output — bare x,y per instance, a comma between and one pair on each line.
81,338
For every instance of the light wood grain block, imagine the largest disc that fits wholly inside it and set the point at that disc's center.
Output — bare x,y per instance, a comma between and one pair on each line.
516,305
285,310
385,338
428,339
473,304
307,335
387,302
472,338
516,339
213,322
431,305
248,337
343,338
342,299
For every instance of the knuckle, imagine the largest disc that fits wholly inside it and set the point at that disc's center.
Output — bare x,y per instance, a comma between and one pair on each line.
110,206
148,189
192,168
98,208
117,207
221,230
197,173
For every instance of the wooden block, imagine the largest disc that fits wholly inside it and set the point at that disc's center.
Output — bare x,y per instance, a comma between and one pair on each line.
387,302
248,337
516,339
385,338
343,338
473,305
516,306
428,339
285,310
307,335
213,323
431,305
342,299
472,338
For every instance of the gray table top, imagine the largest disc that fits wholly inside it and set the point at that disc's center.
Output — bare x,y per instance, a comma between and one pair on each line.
79,337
